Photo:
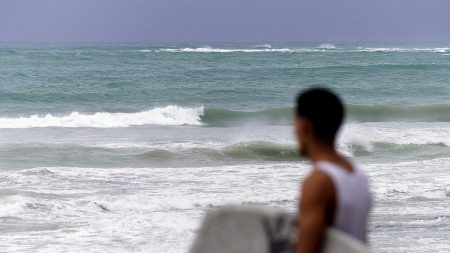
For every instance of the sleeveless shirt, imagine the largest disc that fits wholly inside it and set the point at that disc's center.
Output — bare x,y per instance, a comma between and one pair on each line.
353,198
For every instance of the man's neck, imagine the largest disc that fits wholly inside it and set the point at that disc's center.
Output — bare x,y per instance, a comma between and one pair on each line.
327,152
323,152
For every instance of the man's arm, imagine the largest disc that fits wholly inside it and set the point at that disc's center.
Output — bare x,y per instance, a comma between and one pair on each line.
318,195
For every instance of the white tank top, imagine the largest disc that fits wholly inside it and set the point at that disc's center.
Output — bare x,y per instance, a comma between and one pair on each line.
353,198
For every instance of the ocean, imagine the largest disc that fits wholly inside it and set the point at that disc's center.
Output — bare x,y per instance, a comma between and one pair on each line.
123,147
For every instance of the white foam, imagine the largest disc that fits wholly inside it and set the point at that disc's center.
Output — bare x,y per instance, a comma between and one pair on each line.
11,205
225,50
326,46
442,50
169,115
353,136
401,133
404,50
140,202
171,146
159,209
267,48
263,46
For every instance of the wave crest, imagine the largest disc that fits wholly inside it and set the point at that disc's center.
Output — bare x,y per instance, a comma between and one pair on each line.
197,116
169,115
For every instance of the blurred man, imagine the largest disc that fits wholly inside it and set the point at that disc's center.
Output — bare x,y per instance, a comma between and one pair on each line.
336,193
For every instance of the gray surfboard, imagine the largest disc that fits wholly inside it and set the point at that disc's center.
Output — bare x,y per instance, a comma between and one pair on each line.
240,229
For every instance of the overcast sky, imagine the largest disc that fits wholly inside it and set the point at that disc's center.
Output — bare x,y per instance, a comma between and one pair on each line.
224,20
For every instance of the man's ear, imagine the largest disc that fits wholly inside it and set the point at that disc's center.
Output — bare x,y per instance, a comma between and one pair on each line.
298,125
303,126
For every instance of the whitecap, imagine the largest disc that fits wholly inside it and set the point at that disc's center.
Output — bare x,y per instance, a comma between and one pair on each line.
12,205
263,46
326,46
404,50
169,115
226,50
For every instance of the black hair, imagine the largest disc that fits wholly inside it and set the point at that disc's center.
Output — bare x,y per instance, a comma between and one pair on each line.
325,111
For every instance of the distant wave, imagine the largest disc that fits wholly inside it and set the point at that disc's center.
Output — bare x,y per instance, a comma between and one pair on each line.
426,151
252,150
321,48
263,46
326,46
225,50
256,150
277,151
170,115
403,50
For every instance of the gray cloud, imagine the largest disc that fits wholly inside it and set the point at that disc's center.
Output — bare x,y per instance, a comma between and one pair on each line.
224,20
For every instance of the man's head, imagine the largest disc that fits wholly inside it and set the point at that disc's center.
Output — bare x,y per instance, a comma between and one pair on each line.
318,117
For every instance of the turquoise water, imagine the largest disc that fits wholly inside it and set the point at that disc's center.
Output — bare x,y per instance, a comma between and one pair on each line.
110,147
127,78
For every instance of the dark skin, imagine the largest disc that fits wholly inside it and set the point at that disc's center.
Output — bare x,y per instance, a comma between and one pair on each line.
318,202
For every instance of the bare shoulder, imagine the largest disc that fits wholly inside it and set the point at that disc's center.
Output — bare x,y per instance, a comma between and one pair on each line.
318,185
318,178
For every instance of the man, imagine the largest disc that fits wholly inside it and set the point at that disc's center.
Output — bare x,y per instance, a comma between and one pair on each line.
336,193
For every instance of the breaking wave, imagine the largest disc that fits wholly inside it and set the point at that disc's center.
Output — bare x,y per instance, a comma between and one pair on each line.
197,116
169,115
